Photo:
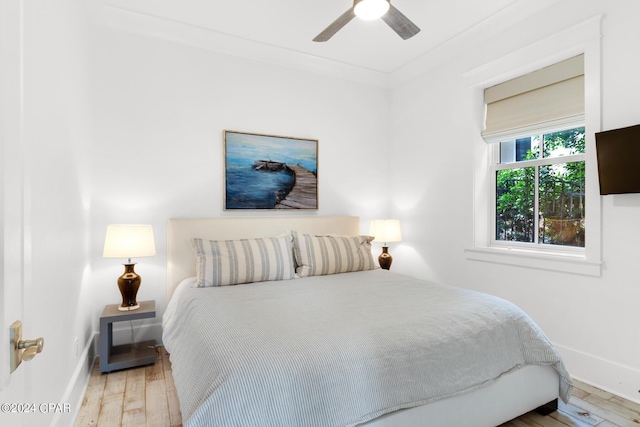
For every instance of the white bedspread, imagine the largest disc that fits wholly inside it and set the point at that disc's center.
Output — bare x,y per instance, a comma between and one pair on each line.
339,350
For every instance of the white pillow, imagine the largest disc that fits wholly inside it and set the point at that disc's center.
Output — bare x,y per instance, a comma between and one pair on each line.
233,262
331,254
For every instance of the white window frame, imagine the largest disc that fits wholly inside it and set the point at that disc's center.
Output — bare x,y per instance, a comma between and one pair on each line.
583,38
494,154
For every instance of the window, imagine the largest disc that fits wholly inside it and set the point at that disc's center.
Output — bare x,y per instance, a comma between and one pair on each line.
535,123
539,184
507,141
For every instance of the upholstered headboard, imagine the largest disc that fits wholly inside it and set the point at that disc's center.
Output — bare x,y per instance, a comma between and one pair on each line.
181,260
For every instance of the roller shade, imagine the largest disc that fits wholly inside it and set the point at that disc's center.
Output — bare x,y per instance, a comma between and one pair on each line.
544,100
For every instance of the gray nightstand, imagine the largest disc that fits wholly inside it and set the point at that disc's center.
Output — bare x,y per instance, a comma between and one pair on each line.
127,355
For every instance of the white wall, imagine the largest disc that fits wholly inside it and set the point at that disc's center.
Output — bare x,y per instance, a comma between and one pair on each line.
49,173
592,320
138,138
160,108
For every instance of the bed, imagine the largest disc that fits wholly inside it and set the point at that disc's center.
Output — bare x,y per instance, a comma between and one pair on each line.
346,345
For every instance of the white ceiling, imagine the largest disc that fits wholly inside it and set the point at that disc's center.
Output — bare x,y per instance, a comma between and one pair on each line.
292,24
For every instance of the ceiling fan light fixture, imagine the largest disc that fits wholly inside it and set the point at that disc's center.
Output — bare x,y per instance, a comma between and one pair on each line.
371,9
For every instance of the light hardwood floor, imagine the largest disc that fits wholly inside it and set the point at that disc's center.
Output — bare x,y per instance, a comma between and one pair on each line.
146,396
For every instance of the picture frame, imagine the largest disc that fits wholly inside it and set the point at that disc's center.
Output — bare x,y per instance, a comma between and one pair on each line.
264,172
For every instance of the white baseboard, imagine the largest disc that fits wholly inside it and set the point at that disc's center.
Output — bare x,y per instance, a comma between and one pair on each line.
605,374
74,393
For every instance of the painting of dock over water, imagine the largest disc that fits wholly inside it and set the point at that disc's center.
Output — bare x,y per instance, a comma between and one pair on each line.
270,172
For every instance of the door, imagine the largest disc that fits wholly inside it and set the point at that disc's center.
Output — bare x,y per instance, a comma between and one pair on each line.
13,262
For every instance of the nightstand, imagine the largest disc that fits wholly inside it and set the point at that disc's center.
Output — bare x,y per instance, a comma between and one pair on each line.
127,355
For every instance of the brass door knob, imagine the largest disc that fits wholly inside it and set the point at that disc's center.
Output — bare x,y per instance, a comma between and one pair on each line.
32,347
22,349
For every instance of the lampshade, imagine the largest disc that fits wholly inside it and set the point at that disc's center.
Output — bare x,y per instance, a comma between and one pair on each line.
386,230
371,9
129,241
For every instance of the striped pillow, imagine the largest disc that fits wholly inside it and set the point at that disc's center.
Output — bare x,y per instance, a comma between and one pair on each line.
320,255
233,262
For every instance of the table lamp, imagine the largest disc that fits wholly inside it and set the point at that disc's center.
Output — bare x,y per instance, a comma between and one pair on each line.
385,230
129,241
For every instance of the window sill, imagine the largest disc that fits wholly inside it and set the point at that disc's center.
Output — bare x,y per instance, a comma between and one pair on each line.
566,263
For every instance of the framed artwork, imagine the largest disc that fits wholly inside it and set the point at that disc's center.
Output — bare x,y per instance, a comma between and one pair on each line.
270,172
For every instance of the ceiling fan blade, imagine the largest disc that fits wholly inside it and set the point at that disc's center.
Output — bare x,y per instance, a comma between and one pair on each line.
400,23
335,26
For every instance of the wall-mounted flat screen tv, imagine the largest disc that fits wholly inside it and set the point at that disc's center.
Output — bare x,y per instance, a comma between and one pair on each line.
618,153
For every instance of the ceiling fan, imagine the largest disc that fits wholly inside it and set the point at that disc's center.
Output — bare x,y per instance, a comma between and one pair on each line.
372,9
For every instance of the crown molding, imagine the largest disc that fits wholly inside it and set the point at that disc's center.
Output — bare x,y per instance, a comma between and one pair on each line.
121,19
